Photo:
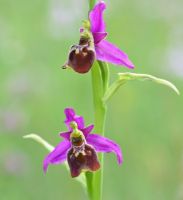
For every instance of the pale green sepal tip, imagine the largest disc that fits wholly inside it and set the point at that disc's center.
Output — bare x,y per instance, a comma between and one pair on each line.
40,140
143,77
125,77
49,147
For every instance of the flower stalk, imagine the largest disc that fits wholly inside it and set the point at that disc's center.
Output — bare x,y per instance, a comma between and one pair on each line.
100,75
100,108
91,4
100,78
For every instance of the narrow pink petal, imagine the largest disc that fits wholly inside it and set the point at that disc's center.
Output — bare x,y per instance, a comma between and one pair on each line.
107,52
96,17
103,144
58,155
99,36
66,135
69,113
87,130
71,116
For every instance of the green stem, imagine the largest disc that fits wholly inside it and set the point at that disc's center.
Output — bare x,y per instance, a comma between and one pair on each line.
89,184
100,114
105,74
98,93
89,175
100,78
99,86
91,4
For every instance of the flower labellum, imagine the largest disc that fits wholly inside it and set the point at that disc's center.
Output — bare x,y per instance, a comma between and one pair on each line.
93,44
82,56
79,147
81,157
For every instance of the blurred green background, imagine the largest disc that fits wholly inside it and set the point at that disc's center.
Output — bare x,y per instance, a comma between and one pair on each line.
144,118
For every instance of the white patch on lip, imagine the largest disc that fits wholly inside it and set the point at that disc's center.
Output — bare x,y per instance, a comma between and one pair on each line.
77,51
85,54
79,149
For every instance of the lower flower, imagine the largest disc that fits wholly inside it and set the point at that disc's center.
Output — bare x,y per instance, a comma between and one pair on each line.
80,147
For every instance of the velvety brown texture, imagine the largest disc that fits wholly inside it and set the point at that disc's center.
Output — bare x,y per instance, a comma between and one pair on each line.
87,162
81,58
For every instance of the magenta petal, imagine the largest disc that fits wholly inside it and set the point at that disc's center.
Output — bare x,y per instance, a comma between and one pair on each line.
71,116
58,155
102,144
96,17
105,51
66,135
88,130
99,36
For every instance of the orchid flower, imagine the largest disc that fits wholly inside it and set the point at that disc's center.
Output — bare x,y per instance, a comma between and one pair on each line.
80,146
93,44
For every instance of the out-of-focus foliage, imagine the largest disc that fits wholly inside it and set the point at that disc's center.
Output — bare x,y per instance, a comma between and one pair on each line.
145,119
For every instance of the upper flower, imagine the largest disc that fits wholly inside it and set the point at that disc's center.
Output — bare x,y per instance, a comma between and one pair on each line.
105,51
94,45
79,146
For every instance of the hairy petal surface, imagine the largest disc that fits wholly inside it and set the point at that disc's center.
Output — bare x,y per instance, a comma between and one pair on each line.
108,52
84,161
58,155
71,116
102,144
96,17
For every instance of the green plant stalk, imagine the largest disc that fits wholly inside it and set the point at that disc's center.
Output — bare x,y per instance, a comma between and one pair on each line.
100,115
91,4
89,175
100,79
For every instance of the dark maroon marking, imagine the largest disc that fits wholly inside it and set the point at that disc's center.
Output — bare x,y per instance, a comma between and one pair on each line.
81,62
88,162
